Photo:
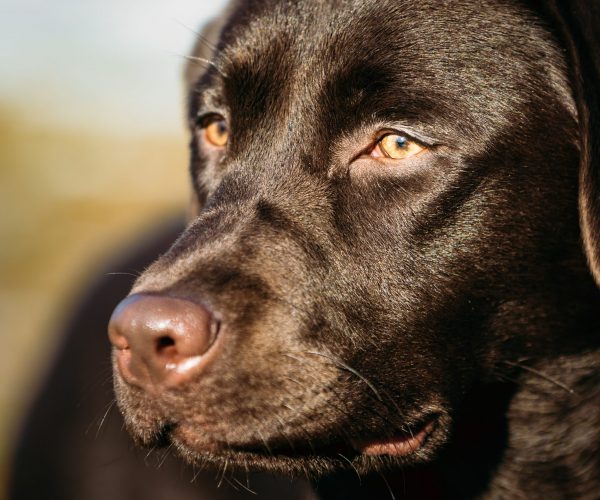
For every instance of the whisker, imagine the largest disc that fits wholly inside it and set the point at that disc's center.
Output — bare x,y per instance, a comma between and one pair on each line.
353,467
244,486
223,474
402,427
356,373
196,474
247,476
199,35
149,453
541,375
207,62
364,379
165,455
393,497
349,369
231,484
262,438
103,419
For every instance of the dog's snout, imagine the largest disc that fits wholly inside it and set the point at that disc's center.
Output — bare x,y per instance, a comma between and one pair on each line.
161,341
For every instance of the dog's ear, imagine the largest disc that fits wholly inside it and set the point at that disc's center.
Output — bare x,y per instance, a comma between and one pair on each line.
578,22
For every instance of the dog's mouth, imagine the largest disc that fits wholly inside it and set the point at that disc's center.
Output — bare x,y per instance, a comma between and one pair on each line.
360,454
400,445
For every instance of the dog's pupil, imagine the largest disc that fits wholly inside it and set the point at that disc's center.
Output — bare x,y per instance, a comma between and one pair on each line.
401,142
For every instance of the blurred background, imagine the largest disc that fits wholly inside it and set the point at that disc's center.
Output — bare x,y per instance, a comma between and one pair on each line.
93,154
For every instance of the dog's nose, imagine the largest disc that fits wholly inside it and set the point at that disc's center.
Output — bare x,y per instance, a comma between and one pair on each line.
161,341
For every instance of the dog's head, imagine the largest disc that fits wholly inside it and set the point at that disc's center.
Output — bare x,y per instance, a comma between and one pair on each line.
386,213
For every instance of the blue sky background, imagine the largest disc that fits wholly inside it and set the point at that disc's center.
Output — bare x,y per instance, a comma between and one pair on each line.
102,65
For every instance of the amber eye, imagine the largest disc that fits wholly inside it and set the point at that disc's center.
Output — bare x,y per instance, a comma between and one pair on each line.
215,131
397,147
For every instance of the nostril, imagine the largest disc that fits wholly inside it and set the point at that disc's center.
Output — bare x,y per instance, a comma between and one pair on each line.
163,343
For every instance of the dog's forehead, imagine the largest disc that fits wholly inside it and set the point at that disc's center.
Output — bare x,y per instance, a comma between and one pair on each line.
412,58
335,34
317,27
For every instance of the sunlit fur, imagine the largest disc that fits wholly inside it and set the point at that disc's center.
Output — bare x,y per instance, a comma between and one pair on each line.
359,302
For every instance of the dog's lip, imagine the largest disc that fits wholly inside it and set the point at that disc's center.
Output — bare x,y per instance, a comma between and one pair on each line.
399,445
188,437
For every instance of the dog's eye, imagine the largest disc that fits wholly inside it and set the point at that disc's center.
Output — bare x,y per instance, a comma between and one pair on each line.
215,130
397,147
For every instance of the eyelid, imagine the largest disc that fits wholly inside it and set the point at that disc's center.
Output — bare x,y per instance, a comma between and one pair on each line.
409,133
203,120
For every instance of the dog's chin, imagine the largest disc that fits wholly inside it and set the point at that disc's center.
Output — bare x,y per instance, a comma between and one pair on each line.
301,459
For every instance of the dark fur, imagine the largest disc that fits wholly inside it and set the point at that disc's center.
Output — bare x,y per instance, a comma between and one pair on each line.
358,302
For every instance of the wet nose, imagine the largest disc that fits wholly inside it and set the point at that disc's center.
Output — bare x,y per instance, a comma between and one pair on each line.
161,341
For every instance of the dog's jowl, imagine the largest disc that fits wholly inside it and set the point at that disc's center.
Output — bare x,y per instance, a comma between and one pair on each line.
391,257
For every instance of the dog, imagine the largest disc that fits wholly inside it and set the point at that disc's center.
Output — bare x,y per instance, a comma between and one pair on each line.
393,254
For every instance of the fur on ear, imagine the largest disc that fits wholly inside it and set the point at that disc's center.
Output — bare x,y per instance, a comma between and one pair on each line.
578,22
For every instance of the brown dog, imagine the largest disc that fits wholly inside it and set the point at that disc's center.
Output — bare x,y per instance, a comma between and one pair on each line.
386,224
384,267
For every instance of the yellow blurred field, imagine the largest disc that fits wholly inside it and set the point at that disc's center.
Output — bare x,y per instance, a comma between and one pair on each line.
69,199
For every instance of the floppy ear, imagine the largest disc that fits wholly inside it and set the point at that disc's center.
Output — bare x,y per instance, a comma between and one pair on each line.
579,24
